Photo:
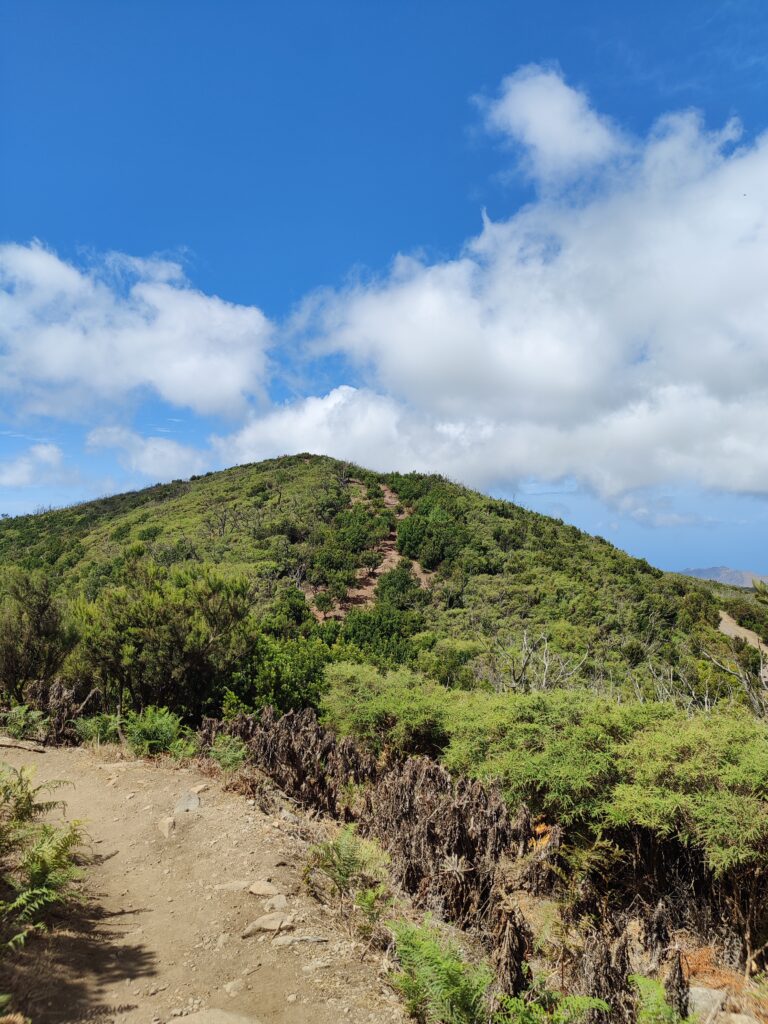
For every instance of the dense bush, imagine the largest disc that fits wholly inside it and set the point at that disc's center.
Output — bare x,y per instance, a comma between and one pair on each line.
158,731
102,728
24,723
228,752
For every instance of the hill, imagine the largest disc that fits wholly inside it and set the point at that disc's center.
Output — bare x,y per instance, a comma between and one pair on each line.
722,574
594,694
493,591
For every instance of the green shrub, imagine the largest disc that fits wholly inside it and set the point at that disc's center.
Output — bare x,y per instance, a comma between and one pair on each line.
348,862
153,731
653,1007
436,981
400,710
229,752
187,745
24,723
37,860
542,1006
102,728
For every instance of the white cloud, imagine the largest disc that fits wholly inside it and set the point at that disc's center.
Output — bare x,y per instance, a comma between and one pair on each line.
560,133
70,338
155,457
618,336
40,464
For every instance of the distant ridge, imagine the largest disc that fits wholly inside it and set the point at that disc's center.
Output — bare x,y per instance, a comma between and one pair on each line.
722,574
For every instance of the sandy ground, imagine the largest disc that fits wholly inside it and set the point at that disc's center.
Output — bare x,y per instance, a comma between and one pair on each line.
730,627
159,936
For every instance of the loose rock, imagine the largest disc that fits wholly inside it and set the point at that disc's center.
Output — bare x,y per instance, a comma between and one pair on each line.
187,804
264,888
278,902
276,922
166,826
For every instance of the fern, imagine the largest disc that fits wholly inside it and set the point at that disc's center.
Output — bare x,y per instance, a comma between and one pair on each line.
229,752
439,986
653,1007
37,860
24,723
103,728
348,861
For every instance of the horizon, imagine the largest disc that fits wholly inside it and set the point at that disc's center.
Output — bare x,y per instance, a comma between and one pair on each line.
523,249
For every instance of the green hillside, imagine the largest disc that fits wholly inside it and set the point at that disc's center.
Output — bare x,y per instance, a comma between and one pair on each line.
417,617
504,598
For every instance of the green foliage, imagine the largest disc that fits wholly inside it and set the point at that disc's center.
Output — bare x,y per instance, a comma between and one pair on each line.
398,710
101,728
435,532
543,1006
37,860
578,758
348,861
165,636
702,779
24,723
653,1007
438,984
229,752
372,904
34,637
153,606
283,673
157,731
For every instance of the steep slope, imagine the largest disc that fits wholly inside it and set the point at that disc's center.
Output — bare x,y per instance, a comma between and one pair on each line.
495,591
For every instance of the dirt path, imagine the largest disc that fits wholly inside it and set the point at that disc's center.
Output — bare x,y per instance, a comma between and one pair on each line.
160,936
730,627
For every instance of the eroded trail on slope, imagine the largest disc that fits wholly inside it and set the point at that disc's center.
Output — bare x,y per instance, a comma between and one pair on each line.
363,594
160,934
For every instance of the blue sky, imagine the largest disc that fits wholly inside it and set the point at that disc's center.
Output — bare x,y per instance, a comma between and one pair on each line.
489,239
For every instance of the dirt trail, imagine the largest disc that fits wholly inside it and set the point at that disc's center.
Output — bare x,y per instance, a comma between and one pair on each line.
730,627
160,936
362,595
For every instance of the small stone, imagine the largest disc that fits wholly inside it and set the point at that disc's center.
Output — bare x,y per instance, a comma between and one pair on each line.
263,887
238,886
291,998
291,940
706,1003
166,826
288,816
234,988
278,902
187,804
199,788
276,922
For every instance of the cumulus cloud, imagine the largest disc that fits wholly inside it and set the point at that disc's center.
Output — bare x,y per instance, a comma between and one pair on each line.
70,338
617,335
155,457
559,132
40,464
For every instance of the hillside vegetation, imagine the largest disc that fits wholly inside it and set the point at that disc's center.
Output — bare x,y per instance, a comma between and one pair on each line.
514,600
418,617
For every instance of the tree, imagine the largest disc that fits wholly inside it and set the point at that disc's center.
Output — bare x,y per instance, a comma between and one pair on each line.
34,635
167,638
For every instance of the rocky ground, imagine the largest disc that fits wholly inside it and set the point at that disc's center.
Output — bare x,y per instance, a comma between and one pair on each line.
195,908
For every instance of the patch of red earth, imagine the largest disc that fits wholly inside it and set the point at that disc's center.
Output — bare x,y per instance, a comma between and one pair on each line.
363,594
